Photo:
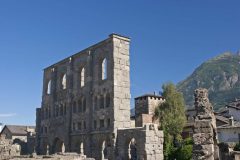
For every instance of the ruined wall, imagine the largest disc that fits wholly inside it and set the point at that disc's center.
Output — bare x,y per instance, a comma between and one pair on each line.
143,143
204,136
8,149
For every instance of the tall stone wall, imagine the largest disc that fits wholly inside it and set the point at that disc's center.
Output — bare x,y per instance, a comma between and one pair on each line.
73,113
204,136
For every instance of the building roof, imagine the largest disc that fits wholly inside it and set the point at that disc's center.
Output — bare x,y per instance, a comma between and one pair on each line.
228,126
234,104
222,118
149,95
17,129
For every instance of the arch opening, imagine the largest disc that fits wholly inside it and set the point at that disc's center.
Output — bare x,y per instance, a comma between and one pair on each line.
132,150
81,149
106,147
22,144
58,146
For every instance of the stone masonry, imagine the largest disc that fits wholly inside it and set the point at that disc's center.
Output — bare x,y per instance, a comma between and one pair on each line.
8,149
148,142
86,101
204,136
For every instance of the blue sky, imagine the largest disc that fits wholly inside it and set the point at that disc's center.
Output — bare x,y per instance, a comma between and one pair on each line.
169,40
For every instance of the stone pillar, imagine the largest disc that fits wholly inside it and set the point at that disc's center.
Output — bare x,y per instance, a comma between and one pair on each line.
204,136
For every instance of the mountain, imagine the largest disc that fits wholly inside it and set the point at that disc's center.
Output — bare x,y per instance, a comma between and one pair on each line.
220,75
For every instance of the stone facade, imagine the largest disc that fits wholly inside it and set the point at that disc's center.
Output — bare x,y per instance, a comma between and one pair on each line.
205,134
86,100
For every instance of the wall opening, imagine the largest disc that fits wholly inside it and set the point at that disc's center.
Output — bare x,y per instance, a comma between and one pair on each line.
104,151
22,144
81,149
49,86
64,81
83,77
104,69
58,146
132,150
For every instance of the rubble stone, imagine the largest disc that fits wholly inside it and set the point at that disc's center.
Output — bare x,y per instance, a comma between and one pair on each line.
8,149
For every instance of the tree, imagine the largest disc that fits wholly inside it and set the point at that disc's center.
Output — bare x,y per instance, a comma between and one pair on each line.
172,119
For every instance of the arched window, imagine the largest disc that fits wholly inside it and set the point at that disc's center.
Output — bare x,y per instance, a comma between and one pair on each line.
64,81
104,69
83,77
49,86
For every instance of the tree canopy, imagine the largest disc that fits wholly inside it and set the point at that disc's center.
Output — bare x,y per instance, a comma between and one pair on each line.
172,117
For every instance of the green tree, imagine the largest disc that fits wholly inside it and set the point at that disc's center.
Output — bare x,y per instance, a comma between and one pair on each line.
172,119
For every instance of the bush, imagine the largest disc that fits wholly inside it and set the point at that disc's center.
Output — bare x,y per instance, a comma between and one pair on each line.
185,152
182,152
237,147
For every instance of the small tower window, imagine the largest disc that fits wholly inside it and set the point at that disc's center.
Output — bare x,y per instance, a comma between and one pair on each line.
64,81
104,69
49,86
82,77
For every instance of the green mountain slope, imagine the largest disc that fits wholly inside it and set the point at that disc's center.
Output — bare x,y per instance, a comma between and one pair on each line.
220,75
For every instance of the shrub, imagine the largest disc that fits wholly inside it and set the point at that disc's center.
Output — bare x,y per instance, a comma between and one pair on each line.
237,147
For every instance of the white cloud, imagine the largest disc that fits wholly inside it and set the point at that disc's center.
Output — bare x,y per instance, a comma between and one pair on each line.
7,115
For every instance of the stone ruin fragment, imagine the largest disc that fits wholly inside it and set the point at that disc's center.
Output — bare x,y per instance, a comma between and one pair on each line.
8,149
205,133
